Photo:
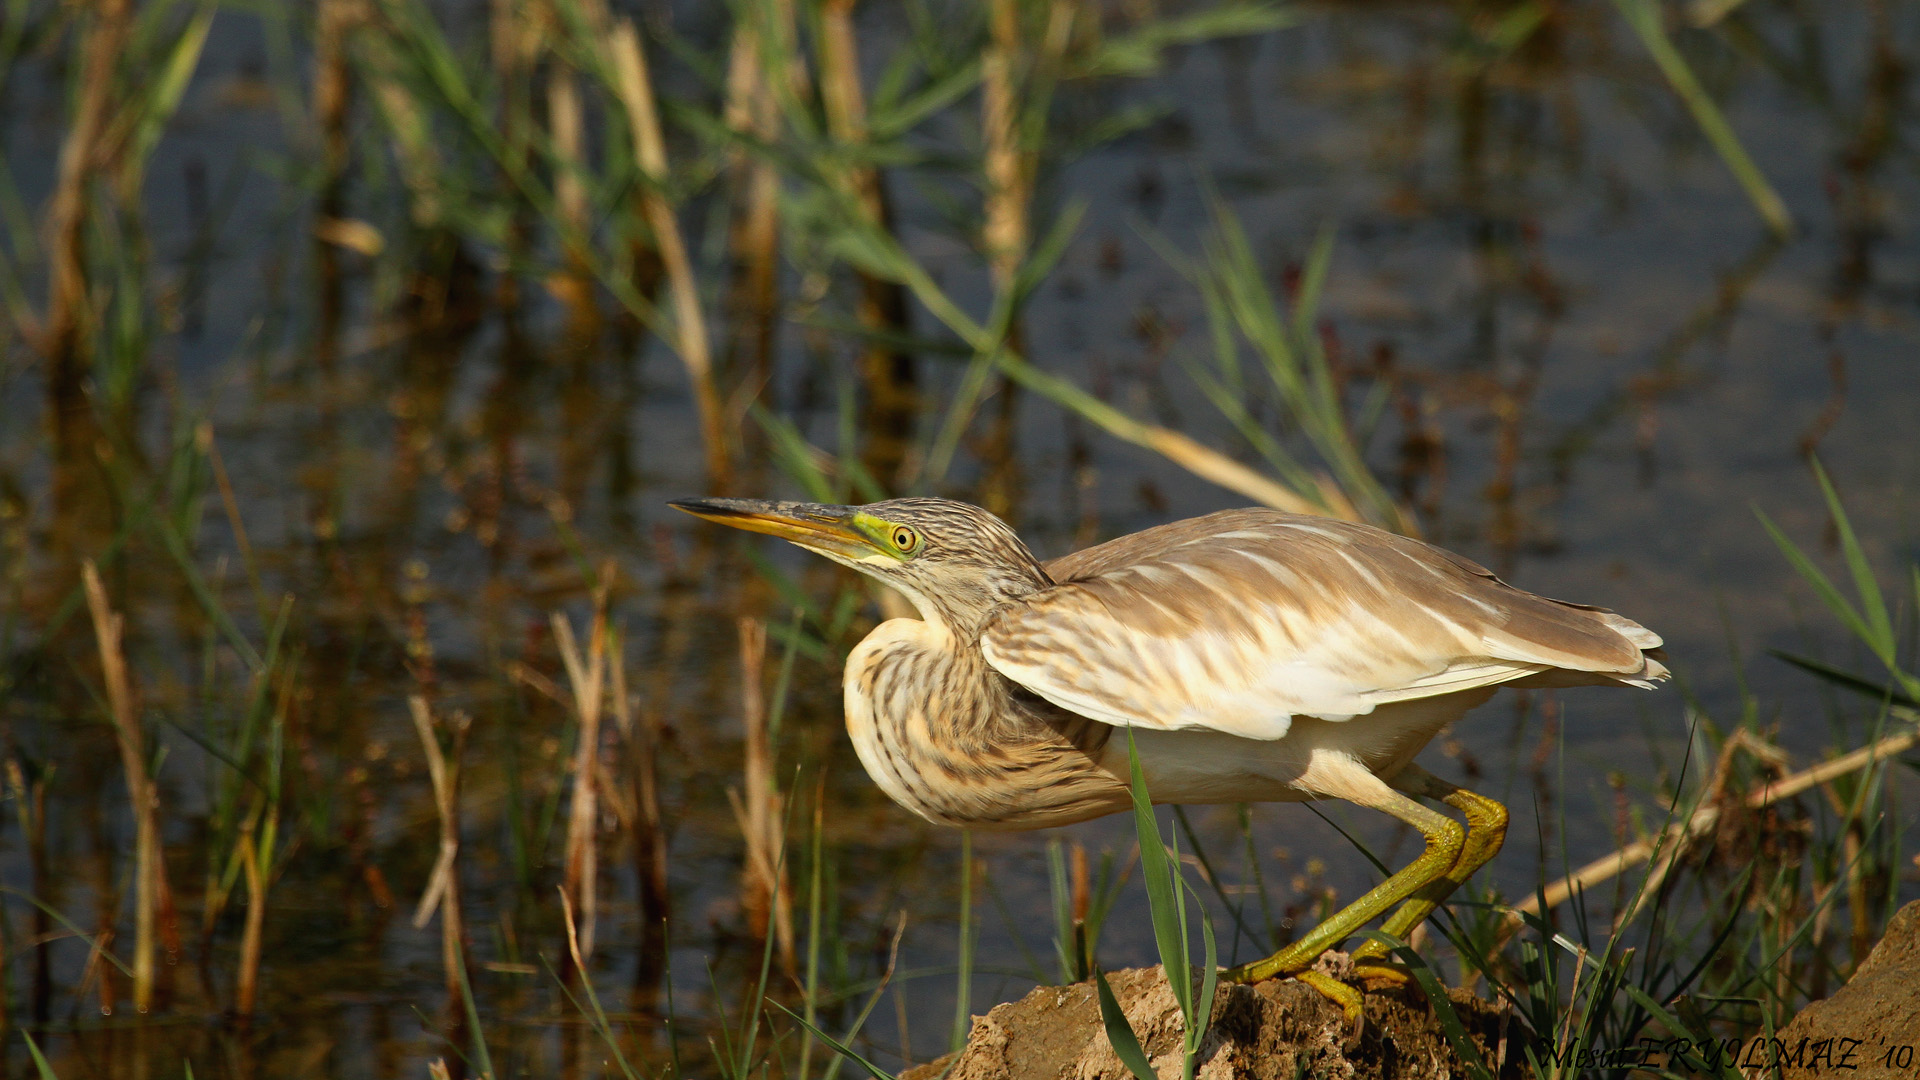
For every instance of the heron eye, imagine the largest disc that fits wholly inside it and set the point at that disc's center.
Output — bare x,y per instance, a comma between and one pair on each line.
905,539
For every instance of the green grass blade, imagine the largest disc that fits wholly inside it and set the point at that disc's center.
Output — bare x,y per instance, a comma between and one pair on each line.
1443,1010
836,1045
963,992
1061,894
1161,878
1126,1044
1828,593
1872,605
1846,680
1202,1015
1644,16
1313,280
163,96
45,1069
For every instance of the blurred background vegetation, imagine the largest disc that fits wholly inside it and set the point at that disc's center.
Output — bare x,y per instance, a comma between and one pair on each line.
363,707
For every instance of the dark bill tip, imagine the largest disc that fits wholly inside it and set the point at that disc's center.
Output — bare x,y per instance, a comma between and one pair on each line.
813,525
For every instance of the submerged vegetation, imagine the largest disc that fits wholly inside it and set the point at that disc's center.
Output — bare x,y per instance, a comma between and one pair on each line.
361,718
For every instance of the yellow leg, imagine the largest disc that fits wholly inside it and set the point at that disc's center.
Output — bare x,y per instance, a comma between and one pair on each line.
1445,838
1486,831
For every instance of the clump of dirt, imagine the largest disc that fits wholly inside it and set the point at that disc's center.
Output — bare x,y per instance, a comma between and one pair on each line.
1871,1027
1278,1030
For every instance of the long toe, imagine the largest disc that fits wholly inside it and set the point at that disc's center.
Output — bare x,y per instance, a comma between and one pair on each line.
1347,997
1376,975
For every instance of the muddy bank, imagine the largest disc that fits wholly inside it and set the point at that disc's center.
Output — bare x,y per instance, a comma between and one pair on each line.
1279,1030
1870,1027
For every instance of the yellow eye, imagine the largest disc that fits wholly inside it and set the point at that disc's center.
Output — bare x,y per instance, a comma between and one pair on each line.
905,539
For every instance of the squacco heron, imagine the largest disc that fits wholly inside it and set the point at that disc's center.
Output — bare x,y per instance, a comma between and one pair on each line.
1255,656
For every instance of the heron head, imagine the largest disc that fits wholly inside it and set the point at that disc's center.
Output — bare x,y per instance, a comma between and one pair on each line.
955,561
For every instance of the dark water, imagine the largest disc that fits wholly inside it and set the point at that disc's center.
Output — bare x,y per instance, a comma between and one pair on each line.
1609,364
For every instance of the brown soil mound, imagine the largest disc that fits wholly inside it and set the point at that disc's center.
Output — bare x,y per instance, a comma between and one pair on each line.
1278,1030
1871,1028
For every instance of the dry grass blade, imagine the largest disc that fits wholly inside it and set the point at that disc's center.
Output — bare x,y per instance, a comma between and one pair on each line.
147,872
442,889
629,66
753,113
443,886
1202,461
246,987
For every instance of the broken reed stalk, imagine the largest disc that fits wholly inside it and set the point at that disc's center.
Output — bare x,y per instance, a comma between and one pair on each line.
892,402
689,340
1673,839
443,884
1082,905
587,677
759,809
108,628
63,337
649,837
30,803
332,100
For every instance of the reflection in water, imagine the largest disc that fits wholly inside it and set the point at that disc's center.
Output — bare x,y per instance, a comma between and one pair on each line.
1575,351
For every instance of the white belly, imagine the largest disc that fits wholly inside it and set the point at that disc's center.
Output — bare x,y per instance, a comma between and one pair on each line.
1196,766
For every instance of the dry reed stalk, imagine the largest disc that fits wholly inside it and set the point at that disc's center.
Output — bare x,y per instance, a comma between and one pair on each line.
63,335
764,895
690,341
334,20
147,866
1673,839
587,677
566,124
443,885
892,400
1007,166
752,112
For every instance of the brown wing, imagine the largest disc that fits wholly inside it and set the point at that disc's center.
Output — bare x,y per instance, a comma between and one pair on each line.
1241,620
